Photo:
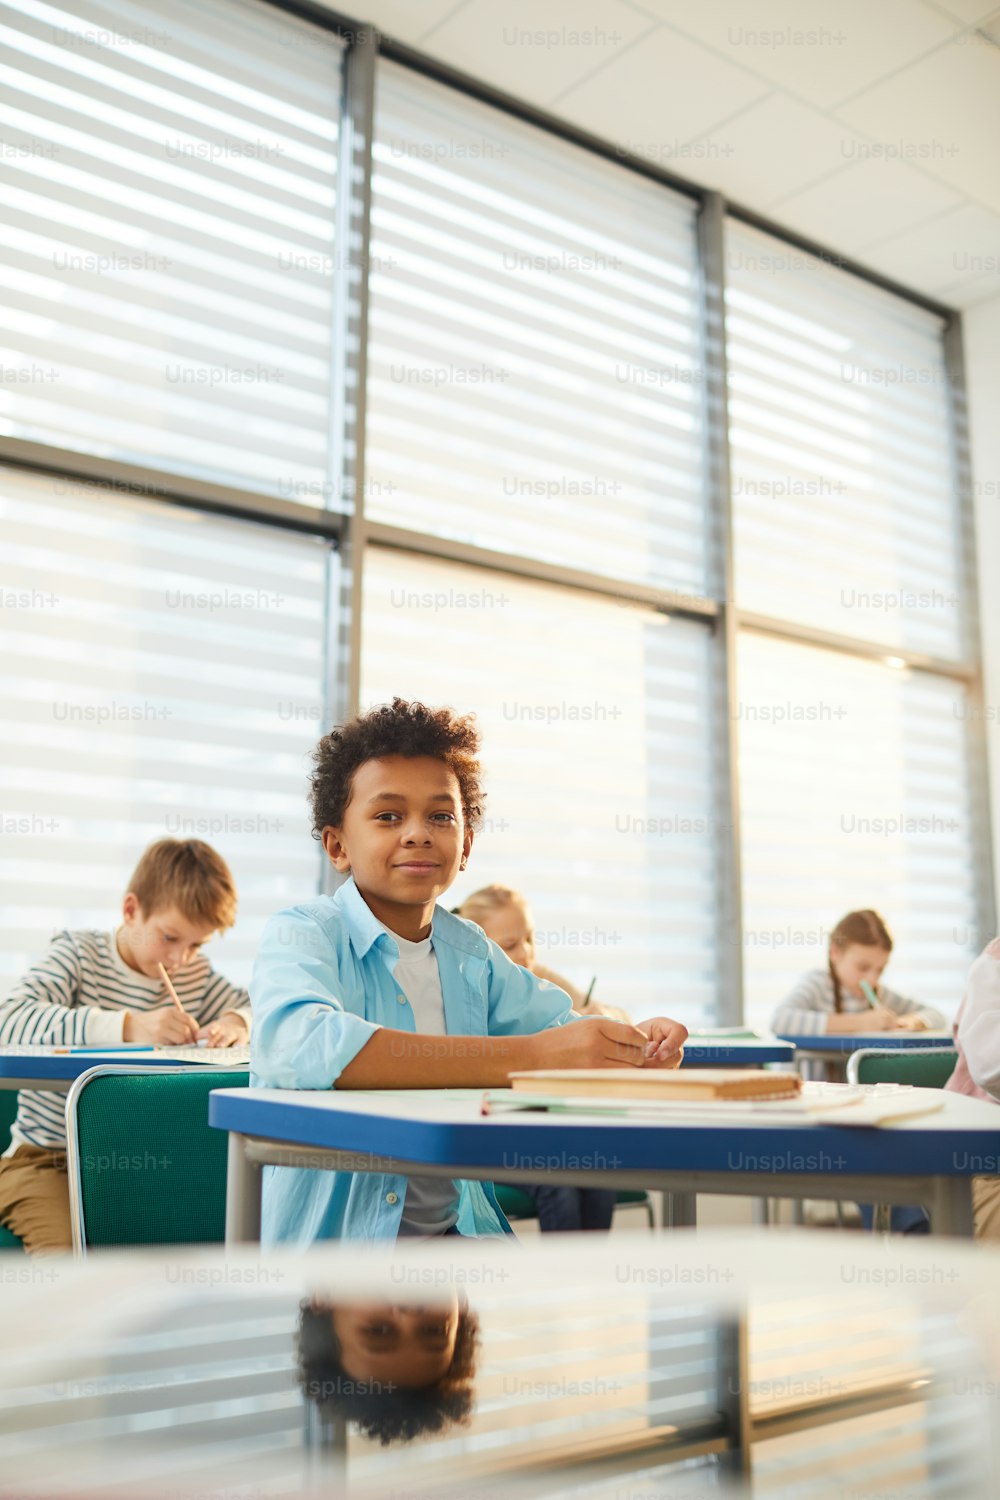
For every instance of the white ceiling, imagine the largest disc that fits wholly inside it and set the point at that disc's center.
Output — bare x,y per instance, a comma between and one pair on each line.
872,126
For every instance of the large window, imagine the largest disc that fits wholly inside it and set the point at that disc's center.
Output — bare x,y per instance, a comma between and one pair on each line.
855,772
163,676
166,244
855,793
844,504
534,354
249,270
599,780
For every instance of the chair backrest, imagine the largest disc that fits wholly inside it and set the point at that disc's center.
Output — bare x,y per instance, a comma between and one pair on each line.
145,1167
8,1114
924,1067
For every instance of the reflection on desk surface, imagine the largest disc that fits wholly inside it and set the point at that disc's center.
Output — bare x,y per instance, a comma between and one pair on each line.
785,1365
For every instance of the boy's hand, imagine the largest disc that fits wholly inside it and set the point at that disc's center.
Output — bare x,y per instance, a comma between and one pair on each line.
597,1043
665,1047
230,1030
164,1027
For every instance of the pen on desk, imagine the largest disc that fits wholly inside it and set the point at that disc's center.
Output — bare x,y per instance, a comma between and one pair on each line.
86,1051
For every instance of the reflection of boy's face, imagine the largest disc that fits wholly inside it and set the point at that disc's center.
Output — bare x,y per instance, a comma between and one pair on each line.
403,837
405,1346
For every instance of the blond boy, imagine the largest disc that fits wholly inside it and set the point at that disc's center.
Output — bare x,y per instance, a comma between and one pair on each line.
105,988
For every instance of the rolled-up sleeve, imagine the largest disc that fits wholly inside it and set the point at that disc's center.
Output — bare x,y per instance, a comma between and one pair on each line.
978,1034
304,1036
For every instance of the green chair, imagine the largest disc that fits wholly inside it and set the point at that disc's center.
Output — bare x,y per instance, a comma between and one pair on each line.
920,1067
145,1167
518,1205
8,1114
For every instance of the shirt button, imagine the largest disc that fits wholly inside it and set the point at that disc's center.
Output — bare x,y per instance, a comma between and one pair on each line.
391,1198
401,999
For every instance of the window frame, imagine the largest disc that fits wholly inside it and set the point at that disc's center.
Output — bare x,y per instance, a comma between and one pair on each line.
352,533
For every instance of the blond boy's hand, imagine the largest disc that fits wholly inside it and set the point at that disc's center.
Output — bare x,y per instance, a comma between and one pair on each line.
230,1030
597,1043
164,1027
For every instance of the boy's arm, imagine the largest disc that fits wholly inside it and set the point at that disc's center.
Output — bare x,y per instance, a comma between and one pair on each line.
43,1007
304,1038
417,1060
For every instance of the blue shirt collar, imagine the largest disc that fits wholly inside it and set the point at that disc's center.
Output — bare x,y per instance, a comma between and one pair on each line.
365,928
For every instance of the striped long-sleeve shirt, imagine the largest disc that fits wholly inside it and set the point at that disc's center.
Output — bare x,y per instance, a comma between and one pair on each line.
79,994
807,1009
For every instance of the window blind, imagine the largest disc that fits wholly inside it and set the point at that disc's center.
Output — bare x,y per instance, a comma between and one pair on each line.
534,350
598,760
844,498
166,246
855,793
162,673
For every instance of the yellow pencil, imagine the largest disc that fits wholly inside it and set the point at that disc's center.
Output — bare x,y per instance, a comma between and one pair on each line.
172,992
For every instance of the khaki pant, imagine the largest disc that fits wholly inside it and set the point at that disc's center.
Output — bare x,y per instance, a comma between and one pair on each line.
34,1198
986,1208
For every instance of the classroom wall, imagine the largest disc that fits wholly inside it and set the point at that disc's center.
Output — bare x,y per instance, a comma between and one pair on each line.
982,352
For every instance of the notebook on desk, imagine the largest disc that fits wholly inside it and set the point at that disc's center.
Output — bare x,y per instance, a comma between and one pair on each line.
659,1083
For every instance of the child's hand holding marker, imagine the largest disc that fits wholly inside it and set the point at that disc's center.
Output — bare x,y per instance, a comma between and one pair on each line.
884,1019
170,1026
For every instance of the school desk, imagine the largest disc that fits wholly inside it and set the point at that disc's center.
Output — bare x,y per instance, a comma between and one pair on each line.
609,1366
58,1068
929,1159
707,1051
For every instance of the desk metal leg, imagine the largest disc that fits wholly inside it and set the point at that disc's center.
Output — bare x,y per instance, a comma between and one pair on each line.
680,1210
243,1193
951,1211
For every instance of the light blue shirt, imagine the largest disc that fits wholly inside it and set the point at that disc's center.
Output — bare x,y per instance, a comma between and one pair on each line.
322,985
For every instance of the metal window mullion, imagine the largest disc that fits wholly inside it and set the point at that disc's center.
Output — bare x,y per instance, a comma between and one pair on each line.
538,570
350,354
136,481
976,749
962,670
722,731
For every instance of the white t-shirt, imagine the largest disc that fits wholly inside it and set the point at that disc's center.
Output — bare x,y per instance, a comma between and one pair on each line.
431,1203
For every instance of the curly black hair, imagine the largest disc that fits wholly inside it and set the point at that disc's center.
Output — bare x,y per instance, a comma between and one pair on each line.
396,728
390,1413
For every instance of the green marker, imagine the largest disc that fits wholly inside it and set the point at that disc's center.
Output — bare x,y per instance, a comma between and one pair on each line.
869,994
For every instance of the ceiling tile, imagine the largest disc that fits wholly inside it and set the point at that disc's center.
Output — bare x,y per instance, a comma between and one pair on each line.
407,20
535,49
942,255
969,11
775,148
818,51
658,95
943,115
866,202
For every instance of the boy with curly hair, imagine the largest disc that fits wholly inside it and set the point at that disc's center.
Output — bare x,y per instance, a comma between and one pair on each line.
378,986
